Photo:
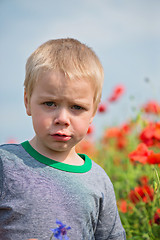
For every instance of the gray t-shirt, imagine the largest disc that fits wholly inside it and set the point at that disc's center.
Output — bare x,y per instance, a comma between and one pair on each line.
36,191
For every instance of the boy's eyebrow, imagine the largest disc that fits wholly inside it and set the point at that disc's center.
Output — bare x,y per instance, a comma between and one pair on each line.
47,96
54,98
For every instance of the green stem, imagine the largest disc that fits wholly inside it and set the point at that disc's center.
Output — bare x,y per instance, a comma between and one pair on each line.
157,176
51,236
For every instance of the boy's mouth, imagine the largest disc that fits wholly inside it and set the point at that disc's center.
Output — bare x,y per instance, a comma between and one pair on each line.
61,137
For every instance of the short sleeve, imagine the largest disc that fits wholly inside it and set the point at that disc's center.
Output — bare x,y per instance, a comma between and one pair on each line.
109,225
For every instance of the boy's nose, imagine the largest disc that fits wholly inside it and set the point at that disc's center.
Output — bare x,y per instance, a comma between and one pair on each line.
62,117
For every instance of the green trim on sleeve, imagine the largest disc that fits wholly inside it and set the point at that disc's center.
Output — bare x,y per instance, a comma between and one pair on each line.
58,165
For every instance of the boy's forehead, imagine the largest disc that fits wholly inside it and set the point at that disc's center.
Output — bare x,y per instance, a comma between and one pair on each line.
58,79
56,83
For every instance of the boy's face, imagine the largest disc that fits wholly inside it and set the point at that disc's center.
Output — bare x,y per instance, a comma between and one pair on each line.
61,111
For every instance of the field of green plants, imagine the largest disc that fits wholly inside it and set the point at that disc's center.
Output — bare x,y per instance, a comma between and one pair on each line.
130,154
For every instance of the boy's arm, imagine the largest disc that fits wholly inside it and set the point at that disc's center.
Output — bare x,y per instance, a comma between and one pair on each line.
109,225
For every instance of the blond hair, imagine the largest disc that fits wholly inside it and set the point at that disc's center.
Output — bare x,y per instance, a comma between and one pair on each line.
74,59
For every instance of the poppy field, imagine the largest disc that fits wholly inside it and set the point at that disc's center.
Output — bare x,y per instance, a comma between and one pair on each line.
130,154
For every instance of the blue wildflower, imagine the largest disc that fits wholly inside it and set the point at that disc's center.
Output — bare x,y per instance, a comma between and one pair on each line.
61,231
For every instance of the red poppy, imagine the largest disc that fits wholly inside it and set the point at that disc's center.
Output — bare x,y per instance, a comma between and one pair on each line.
90,130
120,135
152,107
144,180
102,108
126,127
157,131
117,92
154,158
111,133
122,205
121,142
141,193
151,134
156,218
140,154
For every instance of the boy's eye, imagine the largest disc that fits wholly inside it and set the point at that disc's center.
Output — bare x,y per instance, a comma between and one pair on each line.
76,107
49,104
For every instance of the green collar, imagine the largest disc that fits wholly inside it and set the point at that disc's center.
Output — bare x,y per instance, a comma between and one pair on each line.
58,165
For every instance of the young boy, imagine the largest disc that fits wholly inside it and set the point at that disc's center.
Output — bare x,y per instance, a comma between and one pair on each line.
44,179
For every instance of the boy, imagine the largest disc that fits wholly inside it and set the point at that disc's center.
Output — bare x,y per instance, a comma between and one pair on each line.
44,179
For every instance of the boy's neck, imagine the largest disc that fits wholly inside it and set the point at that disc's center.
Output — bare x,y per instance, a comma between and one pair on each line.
68,157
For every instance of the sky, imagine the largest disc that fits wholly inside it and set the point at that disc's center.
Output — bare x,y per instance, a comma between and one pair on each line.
125,35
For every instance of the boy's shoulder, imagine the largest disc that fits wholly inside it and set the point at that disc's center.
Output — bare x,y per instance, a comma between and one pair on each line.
100,174
98,169
6,149
7,146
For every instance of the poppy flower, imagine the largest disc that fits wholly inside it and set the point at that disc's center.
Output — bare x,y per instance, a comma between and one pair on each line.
117,92
151,134
144,180
102,107
122,205
141,193
126,127
111,132
121,142
141,154
154,158
119,133
151,107
90,130
156,218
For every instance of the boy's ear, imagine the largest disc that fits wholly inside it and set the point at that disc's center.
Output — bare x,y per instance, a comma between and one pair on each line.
26,103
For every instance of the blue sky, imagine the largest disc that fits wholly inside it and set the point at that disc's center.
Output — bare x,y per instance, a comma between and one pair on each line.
125,35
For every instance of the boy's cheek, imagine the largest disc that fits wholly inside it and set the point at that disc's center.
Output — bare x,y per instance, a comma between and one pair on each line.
81,130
